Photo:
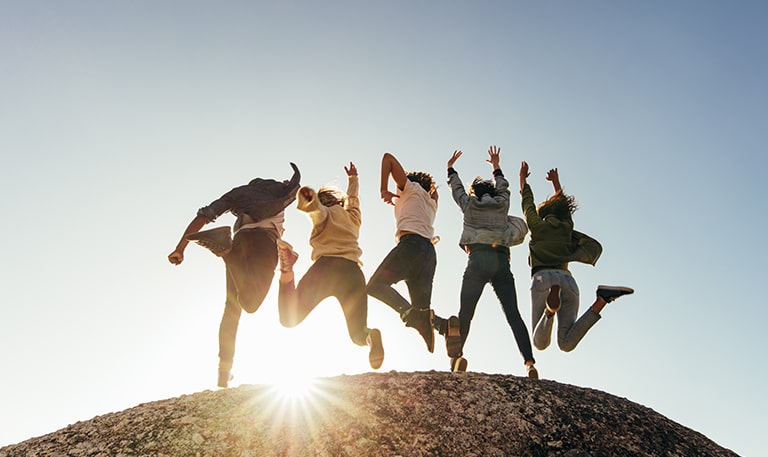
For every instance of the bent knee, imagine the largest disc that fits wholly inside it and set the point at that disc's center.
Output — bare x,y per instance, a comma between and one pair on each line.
566,346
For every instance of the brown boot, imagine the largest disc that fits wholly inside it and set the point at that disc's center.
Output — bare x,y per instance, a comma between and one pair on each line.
218,240
421,320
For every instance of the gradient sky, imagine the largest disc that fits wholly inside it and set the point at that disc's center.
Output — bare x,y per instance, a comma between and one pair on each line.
118,120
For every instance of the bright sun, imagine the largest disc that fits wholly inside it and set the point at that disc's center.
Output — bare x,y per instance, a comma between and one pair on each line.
294,389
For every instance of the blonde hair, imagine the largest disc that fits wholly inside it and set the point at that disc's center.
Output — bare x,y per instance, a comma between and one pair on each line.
330,196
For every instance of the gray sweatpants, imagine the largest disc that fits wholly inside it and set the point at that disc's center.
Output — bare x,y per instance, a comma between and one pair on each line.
569,330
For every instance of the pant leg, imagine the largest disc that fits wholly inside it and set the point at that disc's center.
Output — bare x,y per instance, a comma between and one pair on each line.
541,283
250,268
503,283
294,303
570,331
476,276
228,326
394,268
422,272
251,265
351,292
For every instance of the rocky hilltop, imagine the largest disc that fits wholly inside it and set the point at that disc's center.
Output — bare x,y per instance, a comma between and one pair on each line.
383,414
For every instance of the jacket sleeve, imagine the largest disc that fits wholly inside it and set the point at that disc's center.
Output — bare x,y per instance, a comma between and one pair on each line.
311,206
502,187
529,208
353,200
457,190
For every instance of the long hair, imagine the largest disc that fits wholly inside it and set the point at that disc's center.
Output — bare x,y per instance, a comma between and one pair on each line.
559,205
424,179
330,196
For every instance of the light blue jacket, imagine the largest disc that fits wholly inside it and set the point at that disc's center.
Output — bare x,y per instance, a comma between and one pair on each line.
486,219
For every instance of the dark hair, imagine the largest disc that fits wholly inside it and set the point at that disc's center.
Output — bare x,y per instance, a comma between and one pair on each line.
330,196
481,187
559,205
424,179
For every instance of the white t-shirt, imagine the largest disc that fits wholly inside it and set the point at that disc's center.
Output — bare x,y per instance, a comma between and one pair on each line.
415,211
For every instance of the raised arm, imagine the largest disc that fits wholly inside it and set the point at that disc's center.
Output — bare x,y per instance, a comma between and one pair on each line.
554,177
353,189
454,158
391,167
493,154
524,173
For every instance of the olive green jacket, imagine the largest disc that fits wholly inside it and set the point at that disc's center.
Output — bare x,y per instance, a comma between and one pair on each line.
554,242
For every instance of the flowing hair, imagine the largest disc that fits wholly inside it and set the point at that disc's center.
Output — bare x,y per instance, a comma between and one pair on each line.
559,205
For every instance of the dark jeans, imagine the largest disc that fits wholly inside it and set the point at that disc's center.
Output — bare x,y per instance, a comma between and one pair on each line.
328,277
250,269
491,265
413,260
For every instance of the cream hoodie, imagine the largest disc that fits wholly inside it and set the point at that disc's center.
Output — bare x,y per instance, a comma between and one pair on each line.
336,230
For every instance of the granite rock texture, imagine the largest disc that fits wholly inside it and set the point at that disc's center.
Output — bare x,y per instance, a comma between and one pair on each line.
383,414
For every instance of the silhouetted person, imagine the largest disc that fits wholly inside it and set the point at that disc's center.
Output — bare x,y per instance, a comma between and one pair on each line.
250,256
336,272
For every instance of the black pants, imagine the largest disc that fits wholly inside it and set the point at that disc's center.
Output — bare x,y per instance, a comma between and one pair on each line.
491,265
328,277
250,269
413,260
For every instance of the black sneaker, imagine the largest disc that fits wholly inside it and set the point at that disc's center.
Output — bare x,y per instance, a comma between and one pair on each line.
611,293
421,320
458,364
218,240
453,338
376,354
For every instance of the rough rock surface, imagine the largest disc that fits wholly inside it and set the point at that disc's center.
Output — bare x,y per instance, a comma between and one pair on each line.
383,414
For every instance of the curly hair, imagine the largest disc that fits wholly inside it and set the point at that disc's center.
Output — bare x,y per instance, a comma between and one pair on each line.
424,179
559,205
330,196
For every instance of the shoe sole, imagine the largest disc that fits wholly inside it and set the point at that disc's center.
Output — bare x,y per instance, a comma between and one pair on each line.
459,365
623,291
214,240
533,373
453,338
376,355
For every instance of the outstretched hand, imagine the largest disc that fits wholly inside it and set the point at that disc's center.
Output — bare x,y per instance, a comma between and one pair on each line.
352,170
552,175
454,158
493,153
524,172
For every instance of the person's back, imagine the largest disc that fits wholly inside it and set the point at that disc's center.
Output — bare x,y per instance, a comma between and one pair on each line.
415,210
336,226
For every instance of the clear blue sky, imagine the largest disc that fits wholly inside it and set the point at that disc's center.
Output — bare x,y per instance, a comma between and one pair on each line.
118,120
